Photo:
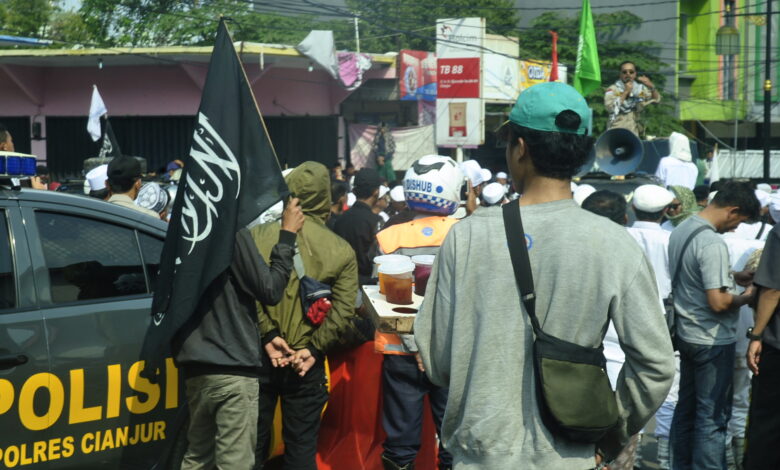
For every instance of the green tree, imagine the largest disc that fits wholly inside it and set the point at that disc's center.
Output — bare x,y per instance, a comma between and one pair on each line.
392,25
611,30
25,17
69,28
185,22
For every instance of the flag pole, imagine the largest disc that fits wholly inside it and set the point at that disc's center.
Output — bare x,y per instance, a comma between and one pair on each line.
223,23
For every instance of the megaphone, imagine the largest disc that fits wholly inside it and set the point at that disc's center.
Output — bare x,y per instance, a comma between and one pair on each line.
618,152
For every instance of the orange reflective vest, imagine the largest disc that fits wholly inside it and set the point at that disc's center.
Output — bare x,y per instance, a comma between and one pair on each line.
429,231
418,233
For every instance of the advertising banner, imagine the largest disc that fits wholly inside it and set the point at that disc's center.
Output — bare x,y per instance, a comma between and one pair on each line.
500,78
460,111
460,37
417,75
532,73
460,122
459,78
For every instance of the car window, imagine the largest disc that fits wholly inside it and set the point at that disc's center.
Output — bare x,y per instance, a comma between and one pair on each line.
151,249
7,282
89,259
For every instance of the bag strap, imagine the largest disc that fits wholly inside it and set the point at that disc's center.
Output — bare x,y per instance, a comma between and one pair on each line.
761,232
298,263
518,252
682,252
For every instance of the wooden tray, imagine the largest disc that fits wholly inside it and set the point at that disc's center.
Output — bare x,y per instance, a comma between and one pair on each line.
390,318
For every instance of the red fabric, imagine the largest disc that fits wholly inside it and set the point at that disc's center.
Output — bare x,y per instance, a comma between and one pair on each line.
554,67
318,311
351,433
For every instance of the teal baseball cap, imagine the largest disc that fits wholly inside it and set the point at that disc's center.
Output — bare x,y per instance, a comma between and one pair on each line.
538,107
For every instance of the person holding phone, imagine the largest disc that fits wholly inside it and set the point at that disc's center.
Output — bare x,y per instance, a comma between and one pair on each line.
627,97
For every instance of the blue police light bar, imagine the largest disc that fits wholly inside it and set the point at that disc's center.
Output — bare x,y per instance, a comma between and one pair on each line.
17,165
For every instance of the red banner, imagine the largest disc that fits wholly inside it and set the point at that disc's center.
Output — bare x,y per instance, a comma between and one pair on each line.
458,78
418,75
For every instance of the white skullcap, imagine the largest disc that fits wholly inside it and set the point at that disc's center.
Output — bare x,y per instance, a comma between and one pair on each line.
273,214
582,192
774,208
493,193
383,190
573,186
767,188
486,174
763,197
501,175
97,177
473,172
397,194
351,198
151,196
652,198
711,196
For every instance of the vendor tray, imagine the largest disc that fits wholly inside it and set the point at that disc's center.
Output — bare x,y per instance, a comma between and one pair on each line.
387,317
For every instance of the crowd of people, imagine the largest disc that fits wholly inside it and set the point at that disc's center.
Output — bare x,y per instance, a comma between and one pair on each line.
677,279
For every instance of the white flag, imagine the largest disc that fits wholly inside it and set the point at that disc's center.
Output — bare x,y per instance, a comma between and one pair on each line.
96,110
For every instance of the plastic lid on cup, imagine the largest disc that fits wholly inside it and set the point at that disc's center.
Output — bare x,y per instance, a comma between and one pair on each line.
424,260
396,267
386,258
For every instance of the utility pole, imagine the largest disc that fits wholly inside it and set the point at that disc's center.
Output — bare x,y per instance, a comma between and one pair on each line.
357,35
768,88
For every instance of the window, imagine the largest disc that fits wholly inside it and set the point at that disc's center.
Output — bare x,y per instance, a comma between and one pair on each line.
88,259
7,278
151,248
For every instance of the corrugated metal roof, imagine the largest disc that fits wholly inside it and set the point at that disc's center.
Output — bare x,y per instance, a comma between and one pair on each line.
153,55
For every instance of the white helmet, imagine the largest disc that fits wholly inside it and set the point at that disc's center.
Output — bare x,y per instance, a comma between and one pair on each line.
432,184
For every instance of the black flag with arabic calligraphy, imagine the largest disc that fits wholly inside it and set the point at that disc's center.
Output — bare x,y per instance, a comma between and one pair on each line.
108,144
230,177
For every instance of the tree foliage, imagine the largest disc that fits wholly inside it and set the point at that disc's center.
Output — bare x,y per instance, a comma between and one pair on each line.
185,22
392,25
25,17
611,31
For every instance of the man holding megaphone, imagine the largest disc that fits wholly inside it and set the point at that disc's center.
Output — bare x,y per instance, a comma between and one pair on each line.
627,97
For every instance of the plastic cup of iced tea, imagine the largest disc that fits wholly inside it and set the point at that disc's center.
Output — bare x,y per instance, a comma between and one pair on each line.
378,260
398,276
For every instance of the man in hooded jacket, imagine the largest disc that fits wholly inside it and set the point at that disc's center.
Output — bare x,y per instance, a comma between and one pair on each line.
678,169
295,343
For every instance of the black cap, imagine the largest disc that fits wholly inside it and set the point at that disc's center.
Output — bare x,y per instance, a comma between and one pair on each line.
123,169
367,178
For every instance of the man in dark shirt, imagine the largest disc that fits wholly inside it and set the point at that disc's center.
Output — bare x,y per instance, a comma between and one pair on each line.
219,351
763,430
358,225
338,199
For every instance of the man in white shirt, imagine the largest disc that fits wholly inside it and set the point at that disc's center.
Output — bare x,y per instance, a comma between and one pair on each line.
756,230
651,203
678,169
740,251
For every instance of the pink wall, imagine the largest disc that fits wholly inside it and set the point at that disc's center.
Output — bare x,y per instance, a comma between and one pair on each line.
160,91
155,90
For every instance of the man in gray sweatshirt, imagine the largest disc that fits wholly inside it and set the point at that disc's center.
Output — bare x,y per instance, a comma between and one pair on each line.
474,335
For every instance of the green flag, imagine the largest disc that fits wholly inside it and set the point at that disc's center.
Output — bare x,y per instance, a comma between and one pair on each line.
587,74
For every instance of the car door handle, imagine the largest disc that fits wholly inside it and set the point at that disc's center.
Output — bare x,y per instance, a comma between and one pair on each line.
12,360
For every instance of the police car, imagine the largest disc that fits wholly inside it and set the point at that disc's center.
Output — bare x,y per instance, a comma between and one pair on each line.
76,280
